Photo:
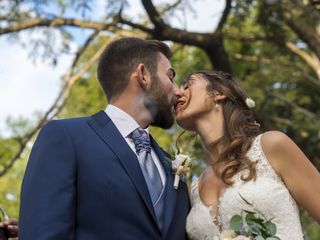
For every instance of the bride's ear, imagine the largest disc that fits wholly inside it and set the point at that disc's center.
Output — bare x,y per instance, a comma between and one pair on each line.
218,97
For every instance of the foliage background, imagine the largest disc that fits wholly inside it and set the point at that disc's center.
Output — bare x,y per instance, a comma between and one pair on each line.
271,46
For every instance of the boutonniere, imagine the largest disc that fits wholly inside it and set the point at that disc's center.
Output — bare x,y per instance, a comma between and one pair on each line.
180,164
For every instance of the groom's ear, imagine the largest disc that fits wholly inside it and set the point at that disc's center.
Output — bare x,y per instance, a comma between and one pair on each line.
142,76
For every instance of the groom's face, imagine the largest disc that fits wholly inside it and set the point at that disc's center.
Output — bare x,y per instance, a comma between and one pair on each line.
162,94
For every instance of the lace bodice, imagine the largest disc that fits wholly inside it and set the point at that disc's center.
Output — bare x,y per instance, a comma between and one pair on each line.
268,193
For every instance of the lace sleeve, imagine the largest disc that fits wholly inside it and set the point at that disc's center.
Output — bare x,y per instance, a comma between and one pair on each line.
193,191
263,167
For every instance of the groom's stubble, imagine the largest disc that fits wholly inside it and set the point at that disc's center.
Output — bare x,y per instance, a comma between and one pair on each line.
158,104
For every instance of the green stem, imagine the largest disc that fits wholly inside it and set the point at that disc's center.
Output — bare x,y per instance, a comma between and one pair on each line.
177,145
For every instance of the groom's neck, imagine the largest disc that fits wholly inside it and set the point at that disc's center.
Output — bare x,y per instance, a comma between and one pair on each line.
133,105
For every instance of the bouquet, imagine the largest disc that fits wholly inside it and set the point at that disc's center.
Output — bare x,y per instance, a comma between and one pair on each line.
3,231
250,225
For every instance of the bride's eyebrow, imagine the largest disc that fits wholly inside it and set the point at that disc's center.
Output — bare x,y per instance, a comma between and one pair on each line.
185,82
189,80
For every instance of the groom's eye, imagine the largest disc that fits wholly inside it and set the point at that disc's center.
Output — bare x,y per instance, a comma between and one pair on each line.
171,74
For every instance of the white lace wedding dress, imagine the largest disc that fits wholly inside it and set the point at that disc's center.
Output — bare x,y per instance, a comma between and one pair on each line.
268,193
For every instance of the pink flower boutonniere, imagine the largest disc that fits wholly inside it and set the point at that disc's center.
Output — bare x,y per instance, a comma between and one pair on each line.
180,166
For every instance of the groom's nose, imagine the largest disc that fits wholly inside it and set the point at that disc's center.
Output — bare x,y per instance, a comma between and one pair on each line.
177,91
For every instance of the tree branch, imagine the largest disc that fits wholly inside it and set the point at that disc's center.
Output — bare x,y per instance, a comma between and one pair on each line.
315,118
304,21
225,14
202,40
211,43
311,59
284,121
41,22
264,60
79,53
63,95
56,107
170,6
135,25
163,31
153,14
249,38
252,58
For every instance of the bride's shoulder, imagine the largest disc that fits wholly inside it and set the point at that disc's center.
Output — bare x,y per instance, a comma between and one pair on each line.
278,148
274,137
274,142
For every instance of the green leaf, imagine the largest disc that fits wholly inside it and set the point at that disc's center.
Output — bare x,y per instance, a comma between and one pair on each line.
271,228
250,218
236,223
247,211
259,238
254,229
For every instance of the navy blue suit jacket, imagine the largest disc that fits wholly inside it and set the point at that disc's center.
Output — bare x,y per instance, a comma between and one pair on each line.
84,182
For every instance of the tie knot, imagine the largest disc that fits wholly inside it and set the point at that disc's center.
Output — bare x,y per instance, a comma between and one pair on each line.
141,140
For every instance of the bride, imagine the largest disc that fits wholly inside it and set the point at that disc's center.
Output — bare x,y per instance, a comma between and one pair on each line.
267,169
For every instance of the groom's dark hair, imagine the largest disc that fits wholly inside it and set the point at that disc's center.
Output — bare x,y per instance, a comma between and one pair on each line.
122,56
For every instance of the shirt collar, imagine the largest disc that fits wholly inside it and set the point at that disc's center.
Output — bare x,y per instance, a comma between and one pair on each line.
123,121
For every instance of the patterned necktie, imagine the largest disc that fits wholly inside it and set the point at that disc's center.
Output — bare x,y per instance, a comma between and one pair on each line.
150,172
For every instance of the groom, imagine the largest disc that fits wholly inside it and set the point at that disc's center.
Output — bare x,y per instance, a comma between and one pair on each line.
104,177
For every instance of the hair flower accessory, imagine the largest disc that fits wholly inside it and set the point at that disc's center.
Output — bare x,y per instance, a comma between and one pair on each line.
250,103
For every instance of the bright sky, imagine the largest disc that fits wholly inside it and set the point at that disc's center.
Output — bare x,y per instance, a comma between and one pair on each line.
27,87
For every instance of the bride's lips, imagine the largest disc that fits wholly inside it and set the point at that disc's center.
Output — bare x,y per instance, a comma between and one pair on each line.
179,105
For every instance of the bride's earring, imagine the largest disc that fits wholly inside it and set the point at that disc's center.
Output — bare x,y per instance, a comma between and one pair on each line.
217,106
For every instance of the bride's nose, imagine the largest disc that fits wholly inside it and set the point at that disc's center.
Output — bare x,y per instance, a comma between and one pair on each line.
182,89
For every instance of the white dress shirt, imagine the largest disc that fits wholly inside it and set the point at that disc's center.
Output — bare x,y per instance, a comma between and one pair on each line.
126,125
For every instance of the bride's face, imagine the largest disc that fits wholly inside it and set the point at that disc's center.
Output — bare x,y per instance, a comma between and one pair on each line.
194,102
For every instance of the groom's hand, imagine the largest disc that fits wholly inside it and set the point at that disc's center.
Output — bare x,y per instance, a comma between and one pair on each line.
11,227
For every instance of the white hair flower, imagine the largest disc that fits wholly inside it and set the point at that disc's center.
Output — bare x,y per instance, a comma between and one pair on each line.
250,103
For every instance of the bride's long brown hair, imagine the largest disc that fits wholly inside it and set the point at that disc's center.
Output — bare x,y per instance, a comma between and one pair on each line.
239,130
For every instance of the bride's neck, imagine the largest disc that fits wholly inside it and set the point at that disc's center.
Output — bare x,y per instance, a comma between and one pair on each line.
209,130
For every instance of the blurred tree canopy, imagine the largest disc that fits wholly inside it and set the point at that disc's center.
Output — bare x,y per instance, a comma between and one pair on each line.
271,46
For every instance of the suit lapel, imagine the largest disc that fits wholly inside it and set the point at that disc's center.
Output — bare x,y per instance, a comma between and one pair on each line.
104,127
170,199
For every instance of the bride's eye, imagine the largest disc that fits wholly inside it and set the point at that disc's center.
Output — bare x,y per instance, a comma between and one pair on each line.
185,85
